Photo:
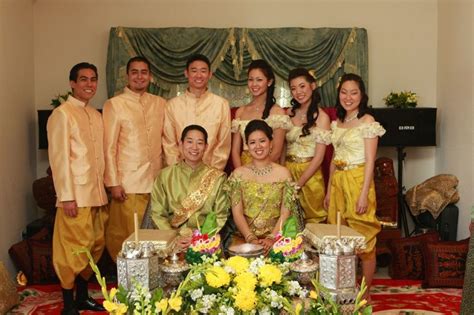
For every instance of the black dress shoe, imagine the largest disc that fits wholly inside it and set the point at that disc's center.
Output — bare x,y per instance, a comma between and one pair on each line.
70,311
90,305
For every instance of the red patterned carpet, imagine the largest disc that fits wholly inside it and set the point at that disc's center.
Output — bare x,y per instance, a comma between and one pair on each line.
388,297
402,296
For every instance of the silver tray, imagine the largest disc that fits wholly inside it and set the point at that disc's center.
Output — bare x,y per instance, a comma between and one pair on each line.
246,250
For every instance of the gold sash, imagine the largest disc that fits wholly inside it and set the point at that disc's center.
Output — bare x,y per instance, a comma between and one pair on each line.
195,200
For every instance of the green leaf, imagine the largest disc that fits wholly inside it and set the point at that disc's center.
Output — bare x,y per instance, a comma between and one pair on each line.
122,295
157,295
209,226
290,228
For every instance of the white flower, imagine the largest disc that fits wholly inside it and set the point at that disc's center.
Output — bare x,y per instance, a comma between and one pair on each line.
226,310
218,263
196,294
196,277
293,287
276,299
229,269
256,264
303,293
265,311
206,303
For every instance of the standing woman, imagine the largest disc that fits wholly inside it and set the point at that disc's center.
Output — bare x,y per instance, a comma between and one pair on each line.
261,83
261,192
351,184
306,143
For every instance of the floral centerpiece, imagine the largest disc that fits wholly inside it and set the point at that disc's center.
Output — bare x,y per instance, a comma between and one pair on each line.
404,99
227,286
205,241
289,243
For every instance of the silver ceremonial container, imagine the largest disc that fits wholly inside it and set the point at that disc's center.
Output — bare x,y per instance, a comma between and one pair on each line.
337,259
139,261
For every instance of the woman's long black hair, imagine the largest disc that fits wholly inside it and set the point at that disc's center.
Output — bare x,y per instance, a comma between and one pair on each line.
315,99
267,71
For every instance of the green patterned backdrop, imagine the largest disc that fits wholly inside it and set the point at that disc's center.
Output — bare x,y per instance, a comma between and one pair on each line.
329,52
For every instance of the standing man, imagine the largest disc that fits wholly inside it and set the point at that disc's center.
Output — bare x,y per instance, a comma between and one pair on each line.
76,156
198,106
133,127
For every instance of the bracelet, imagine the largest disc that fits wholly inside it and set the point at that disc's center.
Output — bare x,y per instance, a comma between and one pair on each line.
270,237
250,237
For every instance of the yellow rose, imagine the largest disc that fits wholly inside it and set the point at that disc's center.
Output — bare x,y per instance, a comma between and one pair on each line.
245,300
245,281
175,303
217,277
269,274
238,263
161,305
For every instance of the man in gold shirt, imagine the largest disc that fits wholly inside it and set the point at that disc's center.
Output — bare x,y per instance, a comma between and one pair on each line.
198,106
75,136
184,193
133,127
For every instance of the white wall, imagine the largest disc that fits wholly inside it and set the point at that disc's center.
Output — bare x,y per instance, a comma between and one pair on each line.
455,152
17,126
402,42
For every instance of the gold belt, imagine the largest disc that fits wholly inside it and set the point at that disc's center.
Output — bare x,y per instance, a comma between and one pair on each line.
343,166
297,159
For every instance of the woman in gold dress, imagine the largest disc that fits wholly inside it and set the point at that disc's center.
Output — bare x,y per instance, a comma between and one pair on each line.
261,84
306,144
261,192
351,183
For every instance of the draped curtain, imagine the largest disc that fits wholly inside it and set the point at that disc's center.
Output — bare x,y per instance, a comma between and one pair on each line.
327,52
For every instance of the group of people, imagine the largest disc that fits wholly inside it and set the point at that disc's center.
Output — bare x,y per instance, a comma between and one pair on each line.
170,155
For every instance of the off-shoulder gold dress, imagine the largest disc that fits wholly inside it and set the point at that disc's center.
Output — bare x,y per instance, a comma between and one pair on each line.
261,203
299,153
348,179
274,121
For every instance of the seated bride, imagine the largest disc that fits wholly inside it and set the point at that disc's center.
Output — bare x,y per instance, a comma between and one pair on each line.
261,192
183,194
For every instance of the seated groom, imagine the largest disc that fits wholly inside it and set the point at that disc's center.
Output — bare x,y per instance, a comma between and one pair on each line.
184,193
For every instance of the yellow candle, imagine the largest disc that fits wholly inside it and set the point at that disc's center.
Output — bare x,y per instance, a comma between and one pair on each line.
135,222
338,224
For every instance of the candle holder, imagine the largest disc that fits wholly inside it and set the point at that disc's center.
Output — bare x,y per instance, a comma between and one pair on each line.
138,266
337,260
139,261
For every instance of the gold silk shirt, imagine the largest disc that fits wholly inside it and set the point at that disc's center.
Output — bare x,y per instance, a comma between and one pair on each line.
75,137
303,147
133,128
348,143
209,111
176,182
274,121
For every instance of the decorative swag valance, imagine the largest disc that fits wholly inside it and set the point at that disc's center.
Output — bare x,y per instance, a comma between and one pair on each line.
329,52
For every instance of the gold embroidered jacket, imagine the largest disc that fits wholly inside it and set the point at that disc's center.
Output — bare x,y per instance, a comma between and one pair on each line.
179,189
